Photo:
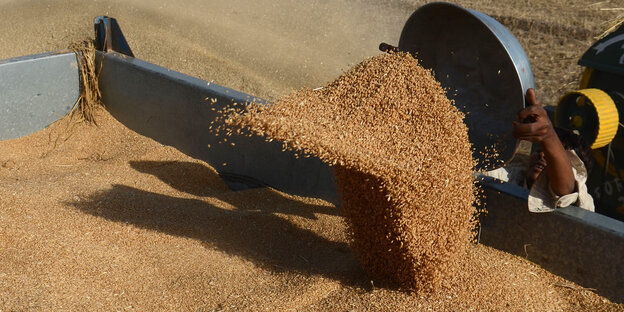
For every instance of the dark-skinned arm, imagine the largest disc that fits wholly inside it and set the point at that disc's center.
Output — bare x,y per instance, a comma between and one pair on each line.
533,125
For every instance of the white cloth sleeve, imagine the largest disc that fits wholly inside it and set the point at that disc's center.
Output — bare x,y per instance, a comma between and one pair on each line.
513,173
543,199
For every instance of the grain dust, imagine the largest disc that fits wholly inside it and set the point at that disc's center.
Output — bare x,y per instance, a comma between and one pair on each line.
402,162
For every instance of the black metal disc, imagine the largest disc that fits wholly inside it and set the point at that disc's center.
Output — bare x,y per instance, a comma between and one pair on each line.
483,68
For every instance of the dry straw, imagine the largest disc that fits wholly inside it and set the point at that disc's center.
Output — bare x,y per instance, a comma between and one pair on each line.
89,101
402,161
612,26
90,97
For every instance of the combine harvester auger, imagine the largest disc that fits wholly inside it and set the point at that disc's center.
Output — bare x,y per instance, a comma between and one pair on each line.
482,64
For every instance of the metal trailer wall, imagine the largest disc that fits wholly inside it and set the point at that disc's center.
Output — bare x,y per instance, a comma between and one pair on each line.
35,91
581,246
179,110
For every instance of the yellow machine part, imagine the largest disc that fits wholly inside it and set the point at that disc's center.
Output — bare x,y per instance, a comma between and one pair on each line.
598,155
608,118
587,73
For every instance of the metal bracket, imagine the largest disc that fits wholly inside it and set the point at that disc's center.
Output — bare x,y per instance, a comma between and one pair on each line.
108,36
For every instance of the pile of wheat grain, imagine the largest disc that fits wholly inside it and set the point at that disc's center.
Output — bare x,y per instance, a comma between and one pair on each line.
402,161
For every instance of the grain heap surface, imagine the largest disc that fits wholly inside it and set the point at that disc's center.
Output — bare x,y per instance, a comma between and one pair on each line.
402,161
108,219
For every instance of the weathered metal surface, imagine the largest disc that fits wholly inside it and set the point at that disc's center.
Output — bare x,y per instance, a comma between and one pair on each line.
581,246
178,110
35,91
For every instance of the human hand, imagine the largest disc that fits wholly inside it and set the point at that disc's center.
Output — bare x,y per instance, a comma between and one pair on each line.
532,123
